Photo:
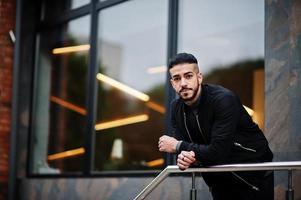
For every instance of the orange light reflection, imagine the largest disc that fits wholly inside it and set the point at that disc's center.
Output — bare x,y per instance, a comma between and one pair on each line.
155,107
68,105
71,49
121,122
122,87
155,163
65,154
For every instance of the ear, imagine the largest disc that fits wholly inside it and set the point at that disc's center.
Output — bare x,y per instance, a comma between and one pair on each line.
200,78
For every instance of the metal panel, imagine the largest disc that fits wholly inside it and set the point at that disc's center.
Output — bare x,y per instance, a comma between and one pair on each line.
13,158
172,50
91,94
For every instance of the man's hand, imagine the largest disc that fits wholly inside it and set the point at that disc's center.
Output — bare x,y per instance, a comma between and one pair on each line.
185,159
167,144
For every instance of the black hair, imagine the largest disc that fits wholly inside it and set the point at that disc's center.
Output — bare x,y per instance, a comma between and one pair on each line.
182,58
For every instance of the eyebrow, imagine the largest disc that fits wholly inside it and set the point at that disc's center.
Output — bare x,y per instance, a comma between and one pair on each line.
188,73
177,75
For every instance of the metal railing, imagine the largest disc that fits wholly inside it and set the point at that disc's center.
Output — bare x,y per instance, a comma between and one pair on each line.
275,166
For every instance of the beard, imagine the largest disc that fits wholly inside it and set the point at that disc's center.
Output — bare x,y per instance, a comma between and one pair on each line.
185,93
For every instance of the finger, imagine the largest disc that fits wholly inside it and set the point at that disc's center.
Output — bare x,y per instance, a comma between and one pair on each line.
187,153
160,140
160,145
189,159
189,156
180,156
183,162
192,153
181,166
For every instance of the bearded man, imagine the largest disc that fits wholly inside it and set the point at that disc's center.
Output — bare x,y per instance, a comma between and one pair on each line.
210,126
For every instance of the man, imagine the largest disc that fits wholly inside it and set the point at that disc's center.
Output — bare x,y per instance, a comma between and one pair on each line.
210,127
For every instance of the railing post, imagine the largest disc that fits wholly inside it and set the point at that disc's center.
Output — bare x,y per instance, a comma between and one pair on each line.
193,191
290,190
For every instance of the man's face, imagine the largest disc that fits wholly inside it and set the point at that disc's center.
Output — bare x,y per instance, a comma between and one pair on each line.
186,79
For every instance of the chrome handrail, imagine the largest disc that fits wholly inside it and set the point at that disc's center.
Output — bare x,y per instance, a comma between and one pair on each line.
275,166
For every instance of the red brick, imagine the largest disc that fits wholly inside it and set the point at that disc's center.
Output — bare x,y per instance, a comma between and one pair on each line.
7,22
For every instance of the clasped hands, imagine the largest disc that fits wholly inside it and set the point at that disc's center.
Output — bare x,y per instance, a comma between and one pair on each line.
168,144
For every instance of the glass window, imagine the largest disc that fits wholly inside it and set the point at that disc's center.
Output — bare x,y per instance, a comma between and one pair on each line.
132,46
53,11
78,3
59,117
228,40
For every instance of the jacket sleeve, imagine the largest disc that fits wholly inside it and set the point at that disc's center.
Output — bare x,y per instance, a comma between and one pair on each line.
226,116
174,127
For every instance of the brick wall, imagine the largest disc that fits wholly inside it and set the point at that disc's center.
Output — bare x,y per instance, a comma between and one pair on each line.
7,22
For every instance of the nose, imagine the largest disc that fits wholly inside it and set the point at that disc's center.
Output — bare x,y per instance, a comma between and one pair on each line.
183,82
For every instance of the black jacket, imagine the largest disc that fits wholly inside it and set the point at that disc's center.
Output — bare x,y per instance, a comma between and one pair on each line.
225,131
221,131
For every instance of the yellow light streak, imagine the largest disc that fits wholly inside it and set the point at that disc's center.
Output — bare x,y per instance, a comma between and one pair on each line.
155,107
249,110
156,70
65,154
155,163
69,49
121,122
123,87
68,105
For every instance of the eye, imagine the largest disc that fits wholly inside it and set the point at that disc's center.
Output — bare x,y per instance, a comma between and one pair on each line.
176,79
189,76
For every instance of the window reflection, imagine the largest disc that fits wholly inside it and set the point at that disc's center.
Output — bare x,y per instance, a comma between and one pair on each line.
130,112
53,11
229,45
59,110
78,3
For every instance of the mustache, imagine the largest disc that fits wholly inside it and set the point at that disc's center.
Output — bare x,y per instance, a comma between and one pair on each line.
185,88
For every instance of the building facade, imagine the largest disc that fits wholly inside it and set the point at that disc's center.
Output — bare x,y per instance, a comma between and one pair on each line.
85,92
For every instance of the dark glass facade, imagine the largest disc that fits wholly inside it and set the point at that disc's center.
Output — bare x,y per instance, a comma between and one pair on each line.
101,92
59,117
